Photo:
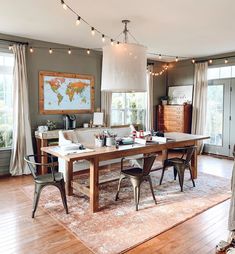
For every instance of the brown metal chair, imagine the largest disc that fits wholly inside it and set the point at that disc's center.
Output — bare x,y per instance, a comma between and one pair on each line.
180,165
41,181
137,175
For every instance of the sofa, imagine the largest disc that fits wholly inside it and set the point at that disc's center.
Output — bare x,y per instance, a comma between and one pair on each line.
86,137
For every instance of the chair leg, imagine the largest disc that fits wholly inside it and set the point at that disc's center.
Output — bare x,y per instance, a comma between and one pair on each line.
151,187
180,171
163,171
119,185
63,195
190,170
37,192
175,173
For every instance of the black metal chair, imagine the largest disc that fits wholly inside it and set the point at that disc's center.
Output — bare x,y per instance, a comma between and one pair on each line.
41,181
180,165
137,175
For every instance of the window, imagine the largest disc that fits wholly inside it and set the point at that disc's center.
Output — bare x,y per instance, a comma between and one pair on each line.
128,108
221,72
6,77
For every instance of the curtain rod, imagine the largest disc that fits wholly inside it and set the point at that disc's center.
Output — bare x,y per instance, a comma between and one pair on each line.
12,41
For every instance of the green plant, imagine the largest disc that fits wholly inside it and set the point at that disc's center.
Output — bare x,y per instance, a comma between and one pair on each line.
5,136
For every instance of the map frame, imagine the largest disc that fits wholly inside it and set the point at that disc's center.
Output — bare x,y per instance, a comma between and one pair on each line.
43,74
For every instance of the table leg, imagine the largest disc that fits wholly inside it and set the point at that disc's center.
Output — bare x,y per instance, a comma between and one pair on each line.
164,155
94,185
69,178
194,163
44,170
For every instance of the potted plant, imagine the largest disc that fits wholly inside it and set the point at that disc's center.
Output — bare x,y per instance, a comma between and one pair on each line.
164,100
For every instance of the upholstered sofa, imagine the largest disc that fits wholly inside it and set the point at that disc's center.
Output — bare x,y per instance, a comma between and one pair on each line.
86,137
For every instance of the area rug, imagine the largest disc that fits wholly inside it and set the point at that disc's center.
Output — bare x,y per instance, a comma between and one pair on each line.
118,227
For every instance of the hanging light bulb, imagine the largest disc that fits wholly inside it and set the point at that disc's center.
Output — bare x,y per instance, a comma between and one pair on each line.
111,42
64,5
193,61
69,52
31,50
103,38
118,42
176,59
50,51
226,61
160,56
78,21
92,31
210,61
10,47
88,51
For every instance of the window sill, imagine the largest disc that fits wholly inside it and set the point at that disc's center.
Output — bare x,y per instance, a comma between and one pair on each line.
2,149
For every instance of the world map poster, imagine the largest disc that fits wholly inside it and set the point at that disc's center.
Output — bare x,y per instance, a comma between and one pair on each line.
66,93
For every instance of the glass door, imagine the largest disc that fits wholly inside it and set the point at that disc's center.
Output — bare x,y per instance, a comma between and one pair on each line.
232,116
218,117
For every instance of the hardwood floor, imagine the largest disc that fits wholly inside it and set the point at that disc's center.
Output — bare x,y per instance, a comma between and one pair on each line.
21,234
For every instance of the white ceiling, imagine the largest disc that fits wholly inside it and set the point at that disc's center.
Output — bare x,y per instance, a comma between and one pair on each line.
190,28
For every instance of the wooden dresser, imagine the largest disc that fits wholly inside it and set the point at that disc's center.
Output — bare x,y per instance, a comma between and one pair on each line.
174,118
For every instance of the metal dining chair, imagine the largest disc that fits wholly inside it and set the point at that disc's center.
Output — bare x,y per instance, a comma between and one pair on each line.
41,181
180,165
137,175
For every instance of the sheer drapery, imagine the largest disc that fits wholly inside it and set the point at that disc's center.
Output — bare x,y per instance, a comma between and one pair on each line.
200,100
106,101
149,106
22,139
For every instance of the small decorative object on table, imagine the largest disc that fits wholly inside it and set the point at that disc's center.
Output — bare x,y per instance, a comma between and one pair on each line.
99,140
164,100
51,125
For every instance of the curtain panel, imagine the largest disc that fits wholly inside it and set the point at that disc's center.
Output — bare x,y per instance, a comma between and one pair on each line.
22,139
106,101
149,106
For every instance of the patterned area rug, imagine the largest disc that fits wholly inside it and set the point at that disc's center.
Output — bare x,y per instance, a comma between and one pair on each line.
119,227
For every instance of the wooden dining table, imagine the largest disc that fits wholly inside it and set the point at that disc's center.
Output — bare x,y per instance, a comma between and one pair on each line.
174,140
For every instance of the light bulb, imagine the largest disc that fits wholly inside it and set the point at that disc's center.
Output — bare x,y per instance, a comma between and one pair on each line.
69,52
92,31
193,60
111,42
64,5
50,51
10,47
210,61
78,21
118,42
103,38
226,61
88,51
176,59
31,50
160,56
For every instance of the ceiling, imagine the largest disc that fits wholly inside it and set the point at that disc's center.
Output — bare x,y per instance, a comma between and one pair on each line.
191,28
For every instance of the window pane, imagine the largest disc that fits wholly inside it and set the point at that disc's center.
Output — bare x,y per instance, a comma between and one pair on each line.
233,71
117,117
214,125
213,73
118,100
225,72
6,99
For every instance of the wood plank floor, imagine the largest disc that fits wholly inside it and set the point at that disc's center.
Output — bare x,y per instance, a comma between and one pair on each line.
21,234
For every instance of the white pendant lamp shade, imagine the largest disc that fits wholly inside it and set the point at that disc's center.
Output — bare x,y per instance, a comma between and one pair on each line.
124,68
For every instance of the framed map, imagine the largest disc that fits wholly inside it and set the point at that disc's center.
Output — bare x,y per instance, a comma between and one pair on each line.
65,93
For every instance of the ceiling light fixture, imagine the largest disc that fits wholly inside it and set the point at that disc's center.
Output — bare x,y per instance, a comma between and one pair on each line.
103,38
78,21
50,51
69,52
31,50
120,70
92,31
88,51
64,5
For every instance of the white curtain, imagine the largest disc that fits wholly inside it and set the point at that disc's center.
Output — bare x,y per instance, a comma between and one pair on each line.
22,139
200,100
149,108
106,101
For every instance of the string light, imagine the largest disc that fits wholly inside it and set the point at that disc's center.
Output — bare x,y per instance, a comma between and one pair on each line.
118,42
92,31
88,51
111,41
193,61
176,59
160,56
50,51
31,50
210,61
10,47
226,61
78,21
69,51
103,38
64,5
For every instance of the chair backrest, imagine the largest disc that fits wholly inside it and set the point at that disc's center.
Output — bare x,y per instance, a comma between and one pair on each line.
33,164
148,163
189,153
